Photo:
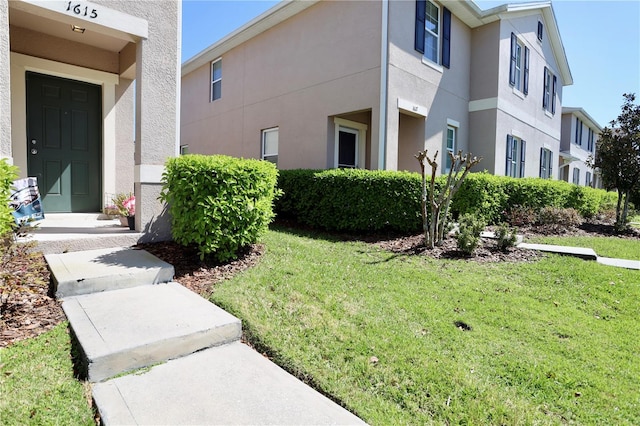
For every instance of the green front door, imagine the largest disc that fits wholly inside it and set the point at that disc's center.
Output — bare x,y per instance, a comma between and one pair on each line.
64,142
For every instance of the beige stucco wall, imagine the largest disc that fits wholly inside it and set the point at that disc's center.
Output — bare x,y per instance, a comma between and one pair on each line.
443,93
514,113
45,46
485,60
322,62
5,91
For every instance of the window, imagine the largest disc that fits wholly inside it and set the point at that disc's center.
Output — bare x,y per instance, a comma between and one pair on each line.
546,163
451,147
270,145
540,30
549,94
184,149
519,68
350,137
516,149
590,141
433,33
578,140
576,176
587,179
216,79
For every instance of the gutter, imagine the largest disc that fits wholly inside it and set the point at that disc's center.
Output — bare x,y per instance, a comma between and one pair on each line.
384,87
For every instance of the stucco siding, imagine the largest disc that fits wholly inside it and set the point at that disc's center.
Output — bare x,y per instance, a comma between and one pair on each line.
482,139
442,92
5,78
320,63
485,61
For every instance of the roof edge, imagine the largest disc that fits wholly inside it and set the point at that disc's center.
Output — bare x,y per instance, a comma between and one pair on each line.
278,13
584,115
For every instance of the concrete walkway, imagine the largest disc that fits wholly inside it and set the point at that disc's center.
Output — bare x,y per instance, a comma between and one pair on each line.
126,314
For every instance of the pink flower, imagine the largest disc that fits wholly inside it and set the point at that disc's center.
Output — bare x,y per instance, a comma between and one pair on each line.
130,205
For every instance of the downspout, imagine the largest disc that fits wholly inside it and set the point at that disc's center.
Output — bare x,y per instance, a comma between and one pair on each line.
384,88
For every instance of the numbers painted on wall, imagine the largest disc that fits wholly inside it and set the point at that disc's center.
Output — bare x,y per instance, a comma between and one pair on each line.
81,10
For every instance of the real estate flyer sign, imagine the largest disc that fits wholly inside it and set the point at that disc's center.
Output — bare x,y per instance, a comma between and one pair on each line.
25,200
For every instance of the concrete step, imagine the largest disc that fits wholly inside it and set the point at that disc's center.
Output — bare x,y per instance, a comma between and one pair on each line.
620,263
93,271
584,253
230,384
126,329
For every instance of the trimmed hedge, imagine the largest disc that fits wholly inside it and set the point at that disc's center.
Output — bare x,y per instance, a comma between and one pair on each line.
351,200
8,174
219,203
369,201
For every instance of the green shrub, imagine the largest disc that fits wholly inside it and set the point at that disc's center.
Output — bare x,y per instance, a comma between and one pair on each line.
585,200
506,237
218,203
8,174
481,194
351,200
468,235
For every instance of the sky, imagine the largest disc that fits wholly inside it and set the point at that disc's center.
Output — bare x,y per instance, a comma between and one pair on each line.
601,39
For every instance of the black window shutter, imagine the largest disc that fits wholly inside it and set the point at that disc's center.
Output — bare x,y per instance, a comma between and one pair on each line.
542,162
509,158
540,30
446,37
544,88
526,71
421,10
553,95
522,157
512,67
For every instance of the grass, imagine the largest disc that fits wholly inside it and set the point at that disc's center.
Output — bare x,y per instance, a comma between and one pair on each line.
37,383
620,248
550,342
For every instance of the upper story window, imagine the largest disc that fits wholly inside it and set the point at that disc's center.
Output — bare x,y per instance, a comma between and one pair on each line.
549,93
546,163
540,30
433,32
270,145
578,140
516,154
519,66
590,141
216,79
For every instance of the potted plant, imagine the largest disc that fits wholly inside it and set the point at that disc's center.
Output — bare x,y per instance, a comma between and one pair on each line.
126,206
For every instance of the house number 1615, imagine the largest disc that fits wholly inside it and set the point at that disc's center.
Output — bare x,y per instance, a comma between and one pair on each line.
83,11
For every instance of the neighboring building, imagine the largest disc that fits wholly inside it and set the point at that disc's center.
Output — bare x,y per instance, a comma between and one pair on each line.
369,84
580,133
67,100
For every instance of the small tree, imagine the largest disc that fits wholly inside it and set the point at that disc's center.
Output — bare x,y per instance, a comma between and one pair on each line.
434,219
618,157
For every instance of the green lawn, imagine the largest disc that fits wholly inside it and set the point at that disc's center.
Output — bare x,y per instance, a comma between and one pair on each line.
551,342
37,385
622,248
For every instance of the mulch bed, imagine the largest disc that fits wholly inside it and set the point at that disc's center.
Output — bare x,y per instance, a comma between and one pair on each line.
29,310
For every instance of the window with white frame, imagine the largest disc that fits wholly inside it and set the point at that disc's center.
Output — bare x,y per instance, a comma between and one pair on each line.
546,163
433,32
350,139
549,93
590,140
452,135
516,154
578,140
576,176
270,145
540,30
184,149
216,79
587,179
519,67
